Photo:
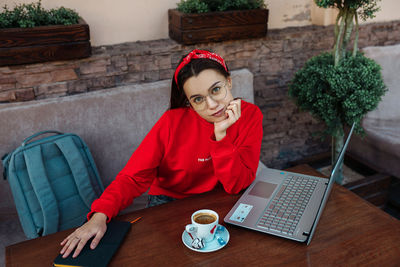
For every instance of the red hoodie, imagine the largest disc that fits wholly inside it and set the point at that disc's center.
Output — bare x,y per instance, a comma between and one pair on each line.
179,157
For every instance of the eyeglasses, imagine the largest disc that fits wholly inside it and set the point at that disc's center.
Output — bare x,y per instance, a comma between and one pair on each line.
216,93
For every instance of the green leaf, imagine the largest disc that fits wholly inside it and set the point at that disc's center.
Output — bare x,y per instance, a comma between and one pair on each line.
201,6
33,14
338,95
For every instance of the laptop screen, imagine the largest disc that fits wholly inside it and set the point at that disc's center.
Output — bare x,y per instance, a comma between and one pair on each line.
332,179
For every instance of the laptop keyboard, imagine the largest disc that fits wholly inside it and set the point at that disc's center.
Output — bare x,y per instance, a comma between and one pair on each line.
284,211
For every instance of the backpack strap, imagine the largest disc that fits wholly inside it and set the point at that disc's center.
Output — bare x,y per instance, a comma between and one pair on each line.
41,186
5,160
78,169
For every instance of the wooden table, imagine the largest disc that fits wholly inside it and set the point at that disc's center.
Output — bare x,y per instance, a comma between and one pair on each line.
351,232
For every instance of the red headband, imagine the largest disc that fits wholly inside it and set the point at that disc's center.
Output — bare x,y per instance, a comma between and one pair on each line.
198,54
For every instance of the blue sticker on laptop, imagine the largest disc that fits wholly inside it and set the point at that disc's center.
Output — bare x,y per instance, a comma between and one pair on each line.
241,212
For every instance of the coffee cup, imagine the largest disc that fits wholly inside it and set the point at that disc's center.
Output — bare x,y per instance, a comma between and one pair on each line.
204,224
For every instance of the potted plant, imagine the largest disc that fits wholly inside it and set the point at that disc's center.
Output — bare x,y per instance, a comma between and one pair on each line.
341,86
29,34
199,21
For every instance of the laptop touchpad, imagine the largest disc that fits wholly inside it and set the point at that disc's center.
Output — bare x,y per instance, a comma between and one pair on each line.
262,189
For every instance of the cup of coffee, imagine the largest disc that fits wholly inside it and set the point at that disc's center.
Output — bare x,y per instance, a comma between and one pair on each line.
204,224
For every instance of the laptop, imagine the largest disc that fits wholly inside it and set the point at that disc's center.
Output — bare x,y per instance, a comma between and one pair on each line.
285,204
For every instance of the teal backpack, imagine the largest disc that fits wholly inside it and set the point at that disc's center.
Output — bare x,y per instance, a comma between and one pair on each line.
53,180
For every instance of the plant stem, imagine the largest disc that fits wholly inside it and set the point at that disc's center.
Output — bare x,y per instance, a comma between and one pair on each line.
355,48
336,30
338,42
337,145
348,30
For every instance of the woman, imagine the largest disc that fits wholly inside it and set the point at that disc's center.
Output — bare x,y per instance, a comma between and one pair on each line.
205,138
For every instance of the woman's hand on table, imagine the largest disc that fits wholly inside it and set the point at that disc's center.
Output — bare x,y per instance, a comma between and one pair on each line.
96,227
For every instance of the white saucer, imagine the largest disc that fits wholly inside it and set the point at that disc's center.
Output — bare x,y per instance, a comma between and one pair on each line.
211,246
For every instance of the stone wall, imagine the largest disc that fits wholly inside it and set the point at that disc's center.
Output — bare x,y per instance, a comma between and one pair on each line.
273,60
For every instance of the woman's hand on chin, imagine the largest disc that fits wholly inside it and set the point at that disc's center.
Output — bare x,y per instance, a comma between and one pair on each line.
233,113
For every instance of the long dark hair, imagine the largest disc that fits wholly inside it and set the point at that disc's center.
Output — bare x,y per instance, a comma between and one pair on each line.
193,68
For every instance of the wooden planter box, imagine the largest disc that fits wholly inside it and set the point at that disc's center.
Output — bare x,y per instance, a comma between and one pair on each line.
217,26
44,43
